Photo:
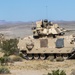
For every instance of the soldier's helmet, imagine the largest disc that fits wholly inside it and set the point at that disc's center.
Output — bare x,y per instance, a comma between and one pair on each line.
50,23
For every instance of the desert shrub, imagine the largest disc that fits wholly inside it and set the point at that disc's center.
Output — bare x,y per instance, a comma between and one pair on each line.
15,58
4,70
9,47
57,72
4,60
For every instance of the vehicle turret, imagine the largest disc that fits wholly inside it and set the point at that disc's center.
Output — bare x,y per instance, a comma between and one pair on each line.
47,28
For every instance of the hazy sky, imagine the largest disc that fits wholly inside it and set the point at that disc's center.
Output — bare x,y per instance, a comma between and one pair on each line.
32,10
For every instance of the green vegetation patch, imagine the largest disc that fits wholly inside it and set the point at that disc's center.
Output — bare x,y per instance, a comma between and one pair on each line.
9,47
4,70
57,72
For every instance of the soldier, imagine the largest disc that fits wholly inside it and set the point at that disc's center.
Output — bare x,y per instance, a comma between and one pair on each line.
50,23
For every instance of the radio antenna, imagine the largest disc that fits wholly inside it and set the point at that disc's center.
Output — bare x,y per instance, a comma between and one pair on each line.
46,10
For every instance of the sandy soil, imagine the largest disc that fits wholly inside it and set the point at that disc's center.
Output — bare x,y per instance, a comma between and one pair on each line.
40,67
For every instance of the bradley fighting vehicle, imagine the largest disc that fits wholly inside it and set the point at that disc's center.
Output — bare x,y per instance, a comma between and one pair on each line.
48,41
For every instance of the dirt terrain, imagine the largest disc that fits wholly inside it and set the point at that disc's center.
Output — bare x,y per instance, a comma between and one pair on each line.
36,67
41,67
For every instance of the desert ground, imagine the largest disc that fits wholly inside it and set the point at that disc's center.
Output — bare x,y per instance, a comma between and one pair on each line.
40,67
36,67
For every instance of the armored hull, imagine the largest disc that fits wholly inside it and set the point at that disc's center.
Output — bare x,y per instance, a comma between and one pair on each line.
47,46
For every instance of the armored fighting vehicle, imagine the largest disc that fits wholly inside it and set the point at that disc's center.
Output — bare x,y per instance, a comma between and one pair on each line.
47,42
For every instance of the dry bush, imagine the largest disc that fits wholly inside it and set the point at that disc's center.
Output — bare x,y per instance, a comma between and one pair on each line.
57,72
4,60
4,70
15,58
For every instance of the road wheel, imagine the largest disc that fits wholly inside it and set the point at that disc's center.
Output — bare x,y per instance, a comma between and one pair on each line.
42,56
30,56
65,57
59,58
36,56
